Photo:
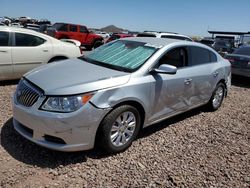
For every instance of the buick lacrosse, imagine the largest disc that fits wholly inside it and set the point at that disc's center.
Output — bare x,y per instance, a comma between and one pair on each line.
108,95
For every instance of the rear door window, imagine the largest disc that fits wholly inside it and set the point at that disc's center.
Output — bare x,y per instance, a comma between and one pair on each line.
73,28
27,40
4,38
199,56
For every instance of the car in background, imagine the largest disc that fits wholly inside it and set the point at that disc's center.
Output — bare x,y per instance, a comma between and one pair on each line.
77,32
240,61
22,50
33,27
223,47
116,36
103,34
207,41
169,35
16,25
107,96
5,20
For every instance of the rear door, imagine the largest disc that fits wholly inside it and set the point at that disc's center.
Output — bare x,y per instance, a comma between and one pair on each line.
202,76
6,69
28,52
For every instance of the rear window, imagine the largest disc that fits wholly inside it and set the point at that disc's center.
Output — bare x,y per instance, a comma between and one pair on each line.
145,35
175,37
4,38
242,51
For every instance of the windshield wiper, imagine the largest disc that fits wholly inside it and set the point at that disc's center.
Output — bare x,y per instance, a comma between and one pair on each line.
115,67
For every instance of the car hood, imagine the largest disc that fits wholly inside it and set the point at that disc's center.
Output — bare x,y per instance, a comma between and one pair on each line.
75,76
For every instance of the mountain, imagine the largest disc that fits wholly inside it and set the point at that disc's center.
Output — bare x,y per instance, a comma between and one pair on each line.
113,29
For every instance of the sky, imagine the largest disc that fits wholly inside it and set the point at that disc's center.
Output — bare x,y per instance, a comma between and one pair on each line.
189,17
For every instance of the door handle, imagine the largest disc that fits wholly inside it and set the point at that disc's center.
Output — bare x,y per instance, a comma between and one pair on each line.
45,50
3,51
215,73
188,81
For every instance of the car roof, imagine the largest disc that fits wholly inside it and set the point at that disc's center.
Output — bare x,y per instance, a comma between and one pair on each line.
159,34
27,31
154,41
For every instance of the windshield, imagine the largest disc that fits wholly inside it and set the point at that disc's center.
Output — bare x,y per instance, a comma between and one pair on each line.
121,55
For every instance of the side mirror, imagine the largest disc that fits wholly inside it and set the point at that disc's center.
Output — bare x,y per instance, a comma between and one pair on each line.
165,69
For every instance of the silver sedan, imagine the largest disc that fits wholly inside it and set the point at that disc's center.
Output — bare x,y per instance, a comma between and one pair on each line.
108,95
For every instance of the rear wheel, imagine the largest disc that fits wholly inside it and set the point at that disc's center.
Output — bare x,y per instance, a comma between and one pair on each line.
97,44
119,128
217,97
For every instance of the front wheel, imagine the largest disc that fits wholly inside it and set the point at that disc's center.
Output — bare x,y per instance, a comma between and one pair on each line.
119,128
217,97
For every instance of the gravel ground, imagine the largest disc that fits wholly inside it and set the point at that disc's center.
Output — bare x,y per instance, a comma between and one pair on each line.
195,149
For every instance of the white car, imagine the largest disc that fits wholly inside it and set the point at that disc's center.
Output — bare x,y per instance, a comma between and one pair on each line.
169,35
103,34
22,50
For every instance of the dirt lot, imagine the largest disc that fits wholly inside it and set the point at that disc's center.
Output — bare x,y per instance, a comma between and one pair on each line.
196,149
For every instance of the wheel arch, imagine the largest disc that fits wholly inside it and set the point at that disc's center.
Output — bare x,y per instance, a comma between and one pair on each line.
133,103
59,57
223,81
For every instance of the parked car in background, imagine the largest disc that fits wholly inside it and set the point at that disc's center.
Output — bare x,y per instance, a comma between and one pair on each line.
116,36
33,27
22,50
16,25
77,32
103,34
169,35
240,61
223,47
25,19
207,41
5,20
116,90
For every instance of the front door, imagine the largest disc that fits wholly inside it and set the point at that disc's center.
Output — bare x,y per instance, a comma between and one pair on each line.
168,91
6,69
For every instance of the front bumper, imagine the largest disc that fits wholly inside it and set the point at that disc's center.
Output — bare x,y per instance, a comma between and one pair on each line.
74,131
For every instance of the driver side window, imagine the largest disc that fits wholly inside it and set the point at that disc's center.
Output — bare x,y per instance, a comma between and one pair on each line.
176,57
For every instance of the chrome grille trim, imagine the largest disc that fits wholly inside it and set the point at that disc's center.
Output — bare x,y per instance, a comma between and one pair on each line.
27,94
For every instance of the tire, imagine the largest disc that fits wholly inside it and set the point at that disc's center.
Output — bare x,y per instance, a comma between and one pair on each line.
217,97
114,130
97,44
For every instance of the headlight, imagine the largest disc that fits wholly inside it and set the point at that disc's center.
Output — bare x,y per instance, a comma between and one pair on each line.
66,103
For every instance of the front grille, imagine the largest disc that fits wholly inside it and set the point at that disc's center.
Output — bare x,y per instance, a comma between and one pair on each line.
26,94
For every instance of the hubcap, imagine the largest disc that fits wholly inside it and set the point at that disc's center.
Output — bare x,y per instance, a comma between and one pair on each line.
123,129
218,96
